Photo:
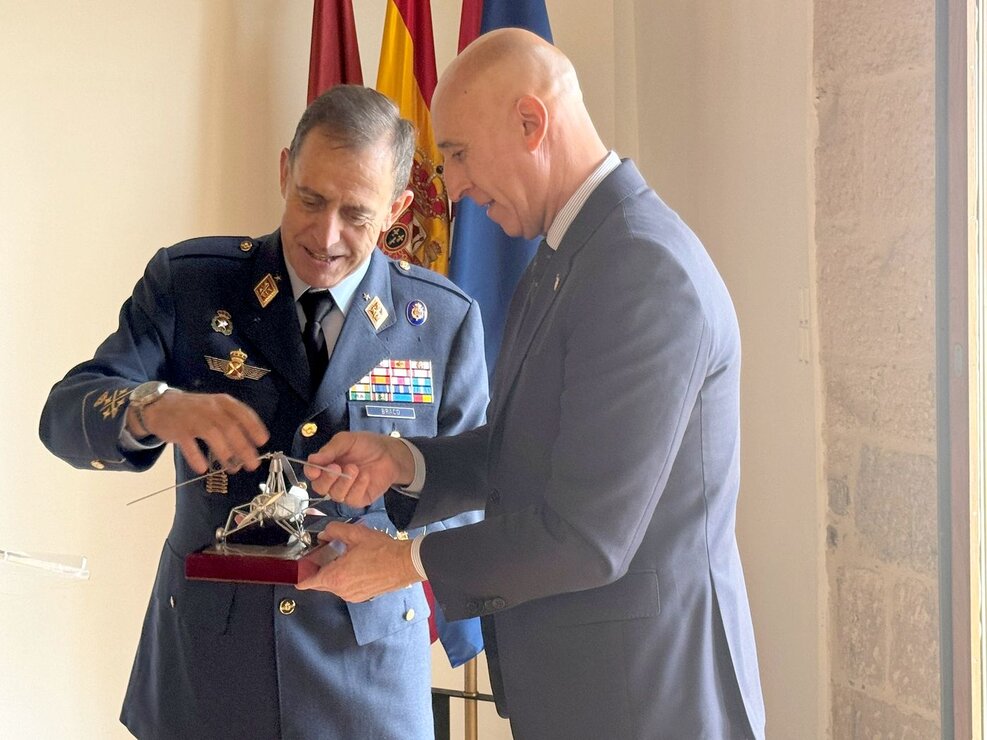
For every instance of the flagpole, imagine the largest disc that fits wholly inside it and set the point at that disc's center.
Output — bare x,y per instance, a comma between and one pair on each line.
469,690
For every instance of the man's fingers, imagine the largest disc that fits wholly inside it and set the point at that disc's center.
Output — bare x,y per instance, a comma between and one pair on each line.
193,456
321,580
342,532
246,419
314,471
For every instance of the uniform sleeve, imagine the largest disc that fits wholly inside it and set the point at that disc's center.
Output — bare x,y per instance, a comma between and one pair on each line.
86,410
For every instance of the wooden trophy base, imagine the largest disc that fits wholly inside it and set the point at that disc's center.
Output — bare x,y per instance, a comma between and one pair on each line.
271,564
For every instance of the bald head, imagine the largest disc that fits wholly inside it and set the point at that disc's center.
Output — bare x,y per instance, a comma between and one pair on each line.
510,120
510,62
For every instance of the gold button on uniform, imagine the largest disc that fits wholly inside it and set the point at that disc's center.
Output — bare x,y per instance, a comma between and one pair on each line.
97,464
395,433
309,428
409,615
287,606
246,245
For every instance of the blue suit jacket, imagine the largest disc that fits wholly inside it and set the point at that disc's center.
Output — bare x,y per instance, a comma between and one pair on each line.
607,568
221,660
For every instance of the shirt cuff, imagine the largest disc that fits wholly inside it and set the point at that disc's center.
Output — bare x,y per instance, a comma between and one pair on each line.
129,443
414,488
416,556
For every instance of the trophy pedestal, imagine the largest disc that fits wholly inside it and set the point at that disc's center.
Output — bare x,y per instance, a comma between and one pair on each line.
245,563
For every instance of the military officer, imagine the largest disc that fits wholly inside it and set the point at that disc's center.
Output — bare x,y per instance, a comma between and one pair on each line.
231,346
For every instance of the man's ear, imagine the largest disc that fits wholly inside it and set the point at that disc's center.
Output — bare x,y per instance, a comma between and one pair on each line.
285,171
399,206
534,120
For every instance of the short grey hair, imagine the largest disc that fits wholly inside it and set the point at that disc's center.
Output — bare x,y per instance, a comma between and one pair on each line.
358,117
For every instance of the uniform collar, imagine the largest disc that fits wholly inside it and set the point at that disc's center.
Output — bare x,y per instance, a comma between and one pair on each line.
342,293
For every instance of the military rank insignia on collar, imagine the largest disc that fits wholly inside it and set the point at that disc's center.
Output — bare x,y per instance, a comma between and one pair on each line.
266,290
236,368
376,313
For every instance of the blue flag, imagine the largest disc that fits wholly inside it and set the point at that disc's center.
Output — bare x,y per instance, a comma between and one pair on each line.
483,260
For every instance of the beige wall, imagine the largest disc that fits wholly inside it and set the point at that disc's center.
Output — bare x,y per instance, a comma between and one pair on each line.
130,124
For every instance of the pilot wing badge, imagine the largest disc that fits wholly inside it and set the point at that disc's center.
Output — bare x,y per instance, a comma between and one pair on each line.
236,367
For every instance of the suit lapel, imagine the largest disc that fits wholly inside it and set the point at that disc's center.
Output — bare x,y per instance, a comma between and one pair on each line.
524,326
359,347
617,186
272,327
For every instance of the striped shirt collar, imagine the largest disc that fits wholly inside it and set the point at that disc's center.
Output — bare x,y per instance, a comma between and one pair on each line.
564,218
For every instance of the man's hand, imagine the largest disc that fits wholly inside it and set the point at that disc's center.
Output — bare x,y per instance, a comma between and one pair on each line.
373,463
372,564
231,430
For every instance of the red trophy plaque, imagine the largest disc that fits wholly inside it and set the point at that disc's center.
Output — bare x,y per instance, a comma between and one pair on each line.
277,564
265,540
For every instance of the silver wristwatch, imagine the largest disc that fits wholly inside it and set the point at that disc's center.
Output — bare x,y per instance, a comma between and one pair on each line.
143,396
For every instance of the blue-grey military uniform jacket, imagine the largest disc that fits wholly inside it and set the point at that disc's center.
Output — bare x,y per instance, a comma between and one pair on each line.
251,661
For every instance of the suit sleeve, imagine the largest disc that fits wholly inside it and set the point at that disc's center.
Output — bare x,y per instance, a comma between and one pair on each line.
85,411
462,408
634,345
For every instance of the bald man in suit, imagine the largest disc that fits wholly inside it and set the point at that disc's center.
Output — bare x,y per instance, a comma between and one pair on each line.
606,570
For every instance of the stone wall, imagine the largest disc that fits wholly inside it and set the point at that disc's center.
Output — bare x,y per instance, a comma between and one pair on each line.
874,84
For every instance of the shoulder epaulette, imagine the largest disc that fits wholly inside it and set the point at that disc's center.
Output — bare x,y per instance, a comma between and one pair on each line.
215,246
407,270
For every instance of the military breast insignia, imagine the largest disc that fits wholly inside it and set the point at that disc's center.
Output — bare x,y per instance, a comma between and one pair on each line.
266,289
376,313
236,368
111,402
416,312
222,322
396,381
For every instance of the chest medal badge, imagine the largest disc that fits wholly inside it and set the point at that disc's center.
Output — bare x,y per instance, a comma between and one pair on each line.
236,367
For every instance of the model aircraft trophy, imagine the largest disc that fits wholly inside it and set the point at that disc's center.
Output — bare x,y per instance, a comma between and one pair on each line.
269,539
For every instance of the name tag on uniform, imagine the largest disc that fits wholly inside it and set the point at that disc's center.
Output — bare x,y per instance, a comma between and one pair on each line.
391,412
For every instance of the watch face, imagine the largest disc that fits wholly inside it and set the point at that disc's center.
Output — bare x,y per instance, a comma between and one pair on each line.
145,393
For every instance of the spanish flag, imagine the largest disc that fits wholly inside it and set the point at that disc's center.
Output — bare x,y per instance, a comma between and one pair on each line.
335,55
407,76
